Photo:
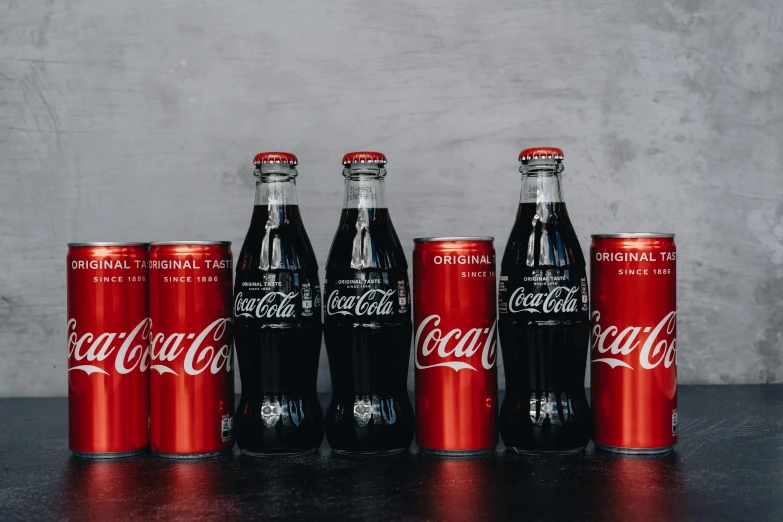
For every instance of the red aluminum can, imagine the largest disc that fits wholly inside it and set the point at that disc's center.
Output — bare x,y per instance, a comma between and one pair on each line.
633,354
455,345
108,349
192,377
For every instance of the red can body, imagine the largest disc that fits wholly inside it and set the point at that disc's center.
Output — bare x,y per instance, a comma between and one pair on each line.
455,345
191,370
634,333
108,349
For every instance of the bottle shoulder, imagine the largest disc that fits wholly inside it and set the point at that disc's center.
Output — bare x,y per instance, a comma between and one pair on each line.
282,248
366,242
536,245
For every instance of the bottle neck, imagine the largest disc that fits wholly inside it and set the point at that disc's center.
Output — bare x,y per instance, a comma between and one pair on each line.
364,186
275,185
541,182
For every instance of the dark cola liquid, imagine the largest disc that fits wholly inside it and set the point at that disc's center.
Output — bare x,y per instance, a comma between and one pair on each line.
277,332
544,332
367,329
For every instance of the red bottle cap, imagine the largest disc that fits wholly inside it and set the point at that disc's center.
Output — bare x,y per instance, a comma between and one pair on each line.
541,153
364,157
275,157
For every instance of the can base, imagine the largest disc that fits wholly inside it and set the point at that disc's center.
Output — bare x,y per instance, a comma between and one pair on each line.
545,453
379,453
279,453
635,451
109,456
191,456
457,453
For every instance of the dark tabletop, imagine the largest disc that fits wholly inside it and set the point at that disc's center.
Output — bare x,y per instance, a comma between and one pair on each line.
728,466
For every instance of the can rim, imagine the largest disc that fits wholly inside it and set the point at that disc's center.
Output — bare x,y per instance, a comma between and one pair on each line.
107,244
440,239
190,243
634,235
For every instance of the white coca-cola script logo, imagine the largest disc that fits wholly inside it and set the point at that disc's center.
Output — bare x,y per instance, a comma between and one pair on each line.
371,302
133,353
455,343
200,354
559,300
652,353
266,307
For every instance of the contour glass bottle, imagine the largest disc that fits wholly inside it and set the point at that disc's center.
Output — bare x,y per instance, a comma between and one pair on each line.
277,320
544,322
367,319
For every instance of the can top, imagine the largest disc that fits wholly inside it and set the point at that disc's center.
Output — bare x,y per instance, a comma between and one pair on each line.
275,157
190,243
365,156
107,244
442,239
634,235
541,153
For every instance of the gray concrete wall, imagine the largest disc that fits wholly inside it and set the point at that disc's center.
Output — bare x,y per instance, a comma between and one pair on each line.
138,120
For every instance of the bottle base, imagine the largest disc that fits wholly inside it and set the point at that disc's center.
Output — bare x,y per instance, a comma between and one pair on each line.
293,453
376,453
191,456
640,452
109,456
545,453
457,453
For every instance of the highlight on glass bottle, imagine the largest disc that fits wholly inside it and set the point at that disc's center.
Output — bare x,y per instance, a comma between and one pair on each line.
277,315
367,319
544,324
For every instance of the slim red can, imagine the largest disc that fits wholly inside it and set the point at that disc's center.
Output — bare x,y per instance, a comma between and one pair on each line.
192,377
634,334
455,345
108,349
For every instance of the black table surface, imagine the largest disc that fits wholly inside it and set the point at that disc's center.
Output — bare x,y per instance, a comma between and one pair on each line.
728,465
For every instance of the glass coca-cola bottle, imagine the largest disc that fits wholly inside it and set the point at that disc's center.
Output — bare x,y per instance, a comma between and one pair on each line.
544,322
277,320
367,319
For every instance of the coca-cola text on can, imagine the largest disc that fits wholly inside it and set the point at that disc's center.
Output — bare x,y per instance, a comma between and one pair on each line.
108,349
455,345
634,333
192,377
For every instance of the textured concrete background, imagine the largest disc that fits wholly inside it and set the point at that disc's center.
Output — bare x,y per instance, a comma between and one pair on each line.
139,122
